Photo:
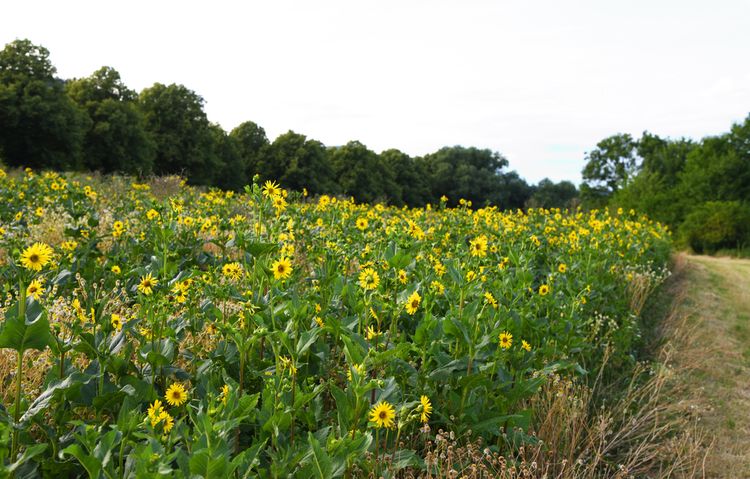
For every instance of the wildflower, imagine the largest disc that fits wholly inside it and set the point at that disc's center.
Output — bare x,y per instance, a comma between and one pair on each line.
369,279
438,287
402,276
413,303
506,340
525,345
490,299
372,333
147,284
116,322
319,321
154,413
562,267
358,368
543,290
478,246
36,256
35,289
271,189
152,214
361,224
232,270
382,415
116,269
426,408
176,394
224,394
282,268
288,363
167,419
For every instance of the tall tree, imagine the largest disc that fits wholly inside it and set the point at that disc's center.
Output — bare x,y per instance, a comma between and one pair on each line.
470,173
296,163
548,194
608,168
181,132
116,139
363,174
39,125
252,143
410,177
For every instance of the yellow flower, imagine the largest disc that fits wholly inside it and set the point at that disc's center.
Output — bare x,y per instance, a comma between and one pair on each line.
232,270
372,333
224,394
35,289
490,299
282,268
402,276
562,267
382,415
152,214
358,368
369,279
543,290
116,322
176,394
426,408
147,284
525,346
438,287
361,224
116,269
319,321
154,413
168,421
506,340
412,304
37,256
271,189
478,246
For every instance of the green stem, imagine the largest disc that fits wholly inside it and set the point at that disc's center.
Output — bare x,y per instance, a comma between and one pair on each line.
19,370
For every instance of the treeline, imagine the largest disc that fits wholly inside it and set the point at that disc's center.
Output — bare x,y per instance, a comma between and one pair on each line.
98,124
701,189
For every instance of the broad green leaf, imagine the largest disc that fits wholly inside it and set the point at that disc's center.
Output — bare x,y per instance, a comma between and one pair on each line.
31,332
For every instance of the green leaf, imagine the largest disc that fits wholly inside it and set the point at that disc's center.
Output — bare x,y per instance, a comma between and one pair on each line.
31,332
320,460
29,453
92,465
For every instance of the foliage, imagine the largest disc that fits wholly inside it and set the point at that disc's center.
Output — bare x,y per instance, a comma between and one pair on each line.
40,126
548,194
608,168
716,225
116,140
278,323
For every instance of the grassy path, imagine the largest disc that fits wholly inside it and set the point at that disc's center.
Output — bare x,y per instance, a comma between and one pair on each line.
715,359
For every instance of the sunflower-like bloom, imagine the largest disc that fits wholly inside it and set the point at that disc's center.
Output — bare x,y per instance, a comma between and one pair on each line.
282,268
382,415
369,279
426,408
506,340
412,304
176,394
36,256
147,284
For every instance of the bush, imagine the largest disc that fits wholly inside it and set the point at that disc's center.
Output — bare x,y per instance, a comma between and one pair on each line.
717,225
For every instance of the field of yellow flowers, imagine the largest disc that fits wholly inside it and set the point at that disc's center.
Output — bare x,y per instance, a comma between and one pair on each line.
160,330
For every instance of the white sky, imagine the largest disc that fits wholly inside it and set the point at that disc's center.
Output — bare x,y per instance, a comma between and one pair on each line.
539,81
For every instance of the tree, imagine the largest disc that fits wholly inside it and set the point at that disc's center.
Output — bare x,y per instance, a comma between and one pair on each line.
116,139
469,173
233,174
410,177
363,174
251,143
548,194
296,163
608,168
181,132
40,126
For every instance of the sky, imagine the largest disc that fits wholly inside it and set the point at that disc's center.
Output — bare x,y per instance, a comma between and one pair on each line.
540,82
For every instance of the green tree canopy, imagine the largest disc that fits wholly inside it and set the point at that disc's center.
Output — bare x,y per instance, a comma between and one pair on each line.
363,174
470,173
116,139
410,175
548,194
180,129
40,126
296,163
252,144
608,168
